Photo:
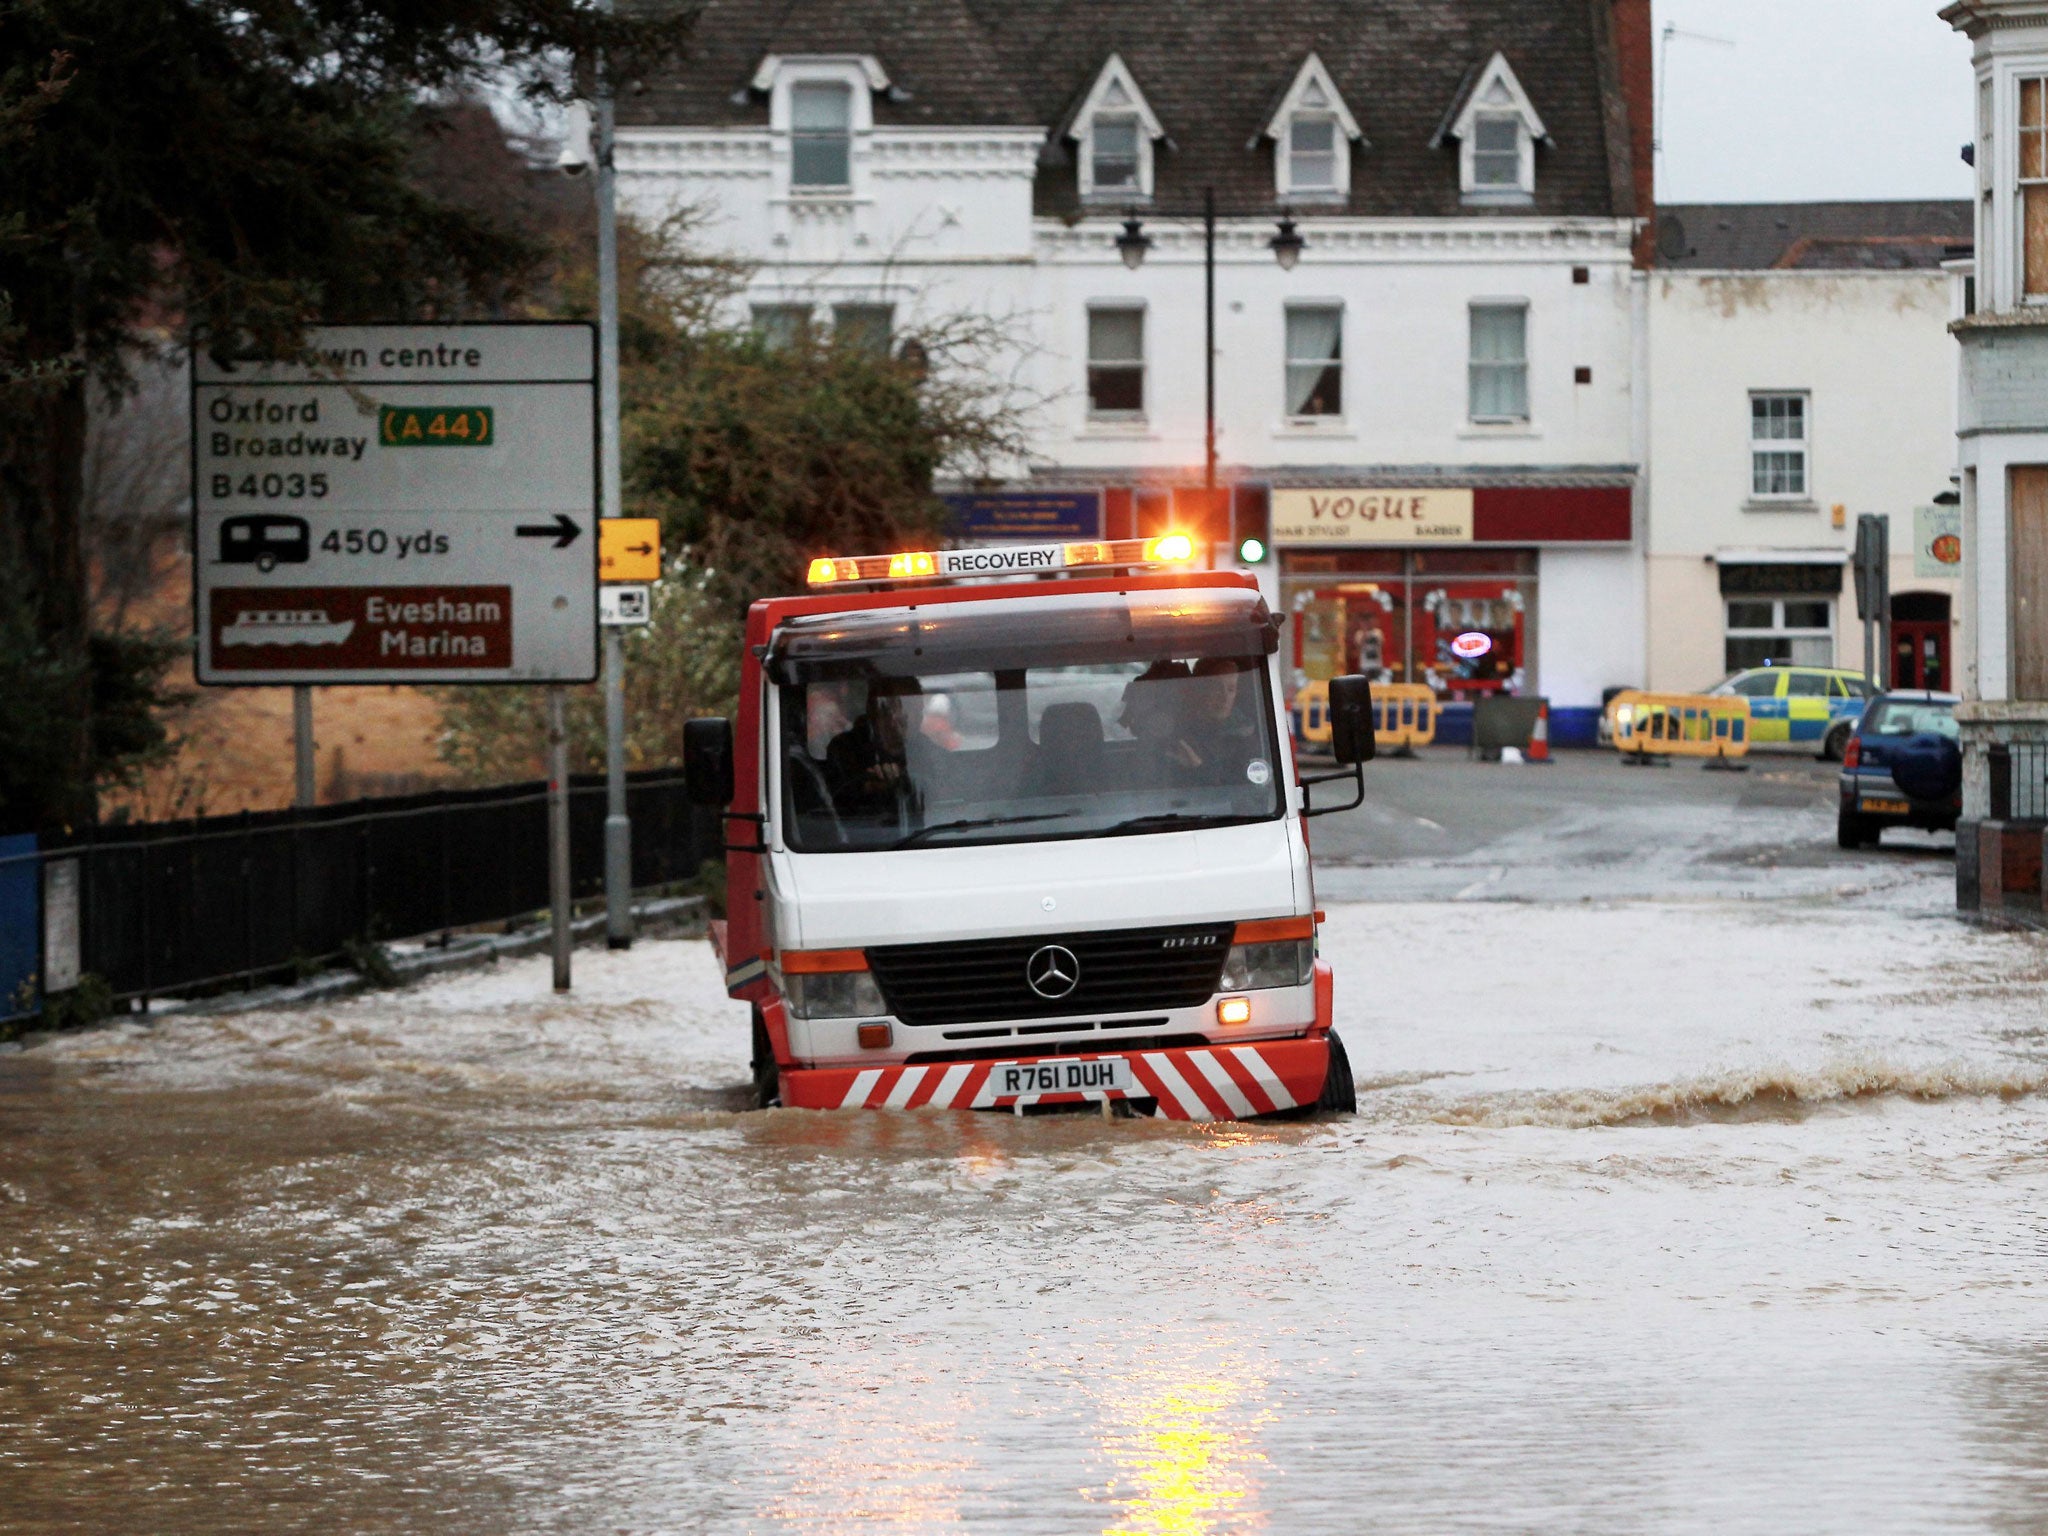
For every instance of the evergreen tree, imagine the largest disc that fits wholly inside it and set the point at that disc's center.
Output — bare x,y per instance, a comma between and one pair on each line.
244,167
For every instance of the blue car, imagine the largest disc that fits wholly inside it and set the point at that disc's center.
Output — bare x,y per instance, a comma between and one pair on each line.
1902,767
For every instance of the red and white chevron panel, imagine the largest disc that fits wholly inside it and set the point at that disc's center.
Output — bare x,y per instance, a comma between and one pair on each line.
1223,1082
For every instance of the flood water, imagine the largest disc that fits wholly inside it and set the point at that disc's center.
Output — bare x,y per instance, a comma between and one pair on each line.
1657,1217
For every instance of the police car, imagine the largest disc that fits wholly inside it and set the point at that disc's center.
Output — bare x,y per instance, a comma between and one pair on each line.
1814,707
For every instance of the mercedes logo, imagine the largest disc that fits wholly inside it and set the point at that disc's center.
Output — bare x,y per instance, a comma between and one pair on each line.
1053,971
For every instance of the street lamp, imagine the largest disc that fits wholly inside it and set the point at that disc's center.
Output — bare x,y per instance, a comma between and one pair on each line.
1133,243
1287,246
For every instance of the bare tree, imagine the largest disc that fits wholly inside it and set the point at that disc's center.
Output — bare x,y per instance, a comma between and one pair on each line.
137,489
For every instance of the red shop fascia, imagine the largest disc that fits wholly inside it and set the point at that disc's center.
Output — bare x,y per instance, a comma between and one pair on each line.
1404,610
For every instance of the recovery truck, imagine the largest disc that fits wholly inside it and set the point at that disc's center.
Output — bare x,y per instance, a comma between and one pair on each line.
1017,828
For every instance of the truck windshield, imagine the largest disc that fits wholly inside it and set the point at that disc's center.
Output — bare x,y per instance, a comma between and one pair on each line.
1087,748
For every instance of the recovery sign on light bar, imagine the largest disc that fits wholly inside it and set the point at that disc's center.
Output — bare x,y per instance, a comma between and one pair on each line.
1013,560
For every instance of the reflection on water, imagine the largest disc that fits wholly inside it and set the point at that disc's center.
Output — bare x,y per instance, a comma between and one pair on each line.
471,1260
1191,1451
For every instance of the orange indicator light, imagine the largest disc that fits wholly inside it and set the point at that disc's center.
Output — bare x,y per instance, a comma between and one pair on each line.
1234,1010
919,564
1171,546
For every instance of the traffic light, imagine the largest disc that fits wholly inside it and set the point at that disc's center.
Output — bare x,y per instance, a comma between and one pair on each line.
1203,515
1251,524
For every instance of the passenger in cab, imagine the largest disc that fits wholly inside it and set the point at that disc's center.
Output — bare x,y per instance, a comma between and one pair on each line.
1216,738
1151,706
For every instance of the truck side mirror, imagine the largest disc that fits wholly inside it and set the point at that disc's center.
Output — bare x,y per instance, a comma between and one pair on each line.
1351,733
707,761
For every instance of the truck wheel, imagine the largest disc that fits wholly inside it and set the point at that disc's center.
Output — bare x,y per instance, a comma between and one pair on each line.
1853,831
1340,1093
767,1076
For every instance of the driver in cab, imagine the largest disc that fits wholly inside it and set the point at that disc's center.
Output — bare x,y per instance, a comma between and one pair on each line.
866,765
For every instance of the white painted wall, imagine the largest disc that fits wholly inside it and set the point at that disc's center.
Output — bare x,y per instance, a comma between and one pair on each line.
939,223
1589,623
1872,351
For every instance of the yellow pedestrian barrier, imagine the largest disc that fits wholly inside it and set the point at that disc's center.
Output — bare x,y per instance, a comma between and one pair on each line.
1403,716
1311,711
1712,726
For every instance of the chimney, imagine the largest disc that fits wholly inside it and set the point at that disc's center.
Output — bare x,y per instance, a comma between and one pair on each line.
1633,54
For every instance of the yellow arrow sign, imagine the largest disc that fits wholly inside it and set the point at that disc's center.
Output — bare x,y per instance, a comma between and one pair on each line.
629,549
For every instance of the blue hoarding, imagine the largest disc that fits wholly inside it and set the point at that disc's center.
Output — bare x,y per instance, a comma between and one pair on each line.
1026,514
21,926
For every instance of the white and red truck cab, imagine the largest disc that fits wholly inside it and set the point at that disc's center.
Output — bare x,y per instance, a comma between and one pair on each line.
1010,828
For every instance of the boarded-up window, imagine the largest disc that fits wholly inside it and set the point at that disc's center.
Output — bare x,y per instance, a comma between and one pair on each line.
2027,564
2033,187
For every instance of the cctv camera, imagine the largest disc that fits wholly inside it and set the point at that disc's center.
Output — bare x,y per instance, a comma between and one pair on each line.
576,153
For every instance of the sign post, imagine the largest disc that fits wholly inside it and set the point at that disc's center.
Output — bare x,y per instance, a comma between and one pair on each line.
304,788
559,911
1873,588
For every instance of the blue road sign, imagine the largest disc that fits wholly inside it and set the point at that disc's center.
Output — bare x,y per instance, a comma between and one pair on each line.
1026,514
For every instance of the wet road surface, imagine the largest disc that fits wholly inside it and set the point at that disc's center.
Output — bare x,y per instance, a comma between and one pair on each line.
1705,1215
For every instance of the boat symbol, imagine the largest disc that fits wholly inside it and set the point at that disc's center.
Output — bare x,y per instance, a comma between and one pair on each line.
286,626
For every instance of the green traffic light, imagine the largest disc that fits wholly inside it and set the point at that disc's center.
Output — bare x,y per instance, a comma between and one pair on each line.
1252,551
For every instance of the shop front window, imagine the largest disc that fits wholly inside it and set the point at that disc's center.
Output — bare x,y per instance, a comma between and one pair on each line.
1458,621
1795,631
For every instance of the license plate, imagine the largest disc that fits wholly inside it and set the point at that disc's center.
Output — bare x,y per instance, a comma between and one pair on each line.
1107,1074
1890,807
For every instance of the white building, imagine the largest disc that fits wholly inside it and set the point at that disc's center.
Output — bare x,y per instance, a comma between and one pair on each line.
1801,374
1436,406
2003,432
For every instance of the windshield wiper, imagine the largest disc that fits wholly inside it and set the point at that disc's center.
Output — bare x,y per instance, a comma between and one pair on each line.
974,823
1164,820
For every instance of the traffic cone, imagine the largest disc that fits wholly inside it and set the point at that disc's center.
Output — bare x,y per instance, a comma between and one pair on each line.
1539,739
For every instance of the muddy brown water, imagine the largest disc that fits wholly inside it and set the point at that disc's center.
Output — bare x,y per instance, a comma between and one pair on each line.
469,1259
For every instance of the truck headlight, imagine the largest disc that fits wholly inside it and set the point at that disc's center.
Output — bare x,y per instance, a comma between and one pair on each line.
1249,967
836,995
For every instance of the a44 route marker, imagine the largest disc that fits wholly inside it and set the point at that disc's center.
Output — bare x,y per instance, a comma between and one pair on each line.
405,503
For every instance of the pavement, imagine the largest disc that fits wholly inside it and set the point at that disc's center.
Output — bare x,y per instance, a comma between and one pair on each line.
1589,825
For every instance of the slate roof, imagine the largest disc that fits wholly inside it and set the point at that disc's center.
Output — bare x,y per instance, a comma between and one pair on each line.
1756,237
1210,69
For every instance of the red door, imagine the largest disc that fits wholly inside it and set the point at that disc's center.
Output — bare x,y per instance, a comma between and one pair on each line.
1920,654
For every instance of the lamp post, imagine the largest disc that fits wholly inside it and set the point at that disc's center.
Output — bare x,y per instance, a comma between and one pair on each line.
1133,244
618,826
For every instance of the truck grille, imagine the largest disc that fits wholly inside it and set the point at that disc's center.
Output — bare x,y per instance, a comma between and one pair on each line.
1134,970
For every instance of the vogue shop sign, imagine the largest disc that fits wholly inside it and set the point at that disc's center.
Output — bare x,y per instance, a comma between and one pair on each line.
1338,515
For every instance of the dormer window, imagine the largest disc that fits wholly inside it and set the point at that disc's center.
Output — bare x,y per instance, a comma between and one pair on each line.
1497,129
1497,152
1312,154
1116,132
821,135
1113,154
1312,132
822,107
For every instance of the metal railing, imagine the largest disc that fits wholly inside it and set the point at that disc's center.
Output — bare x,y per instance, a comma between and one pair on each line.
234,900
2019,780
